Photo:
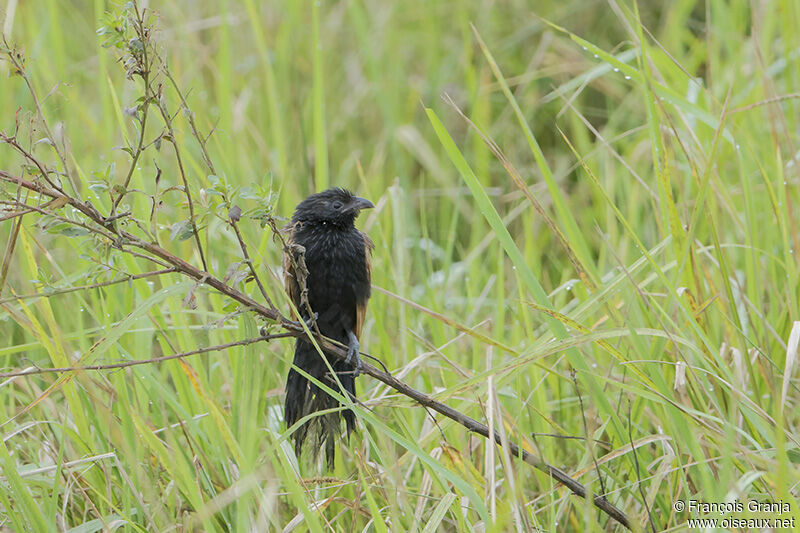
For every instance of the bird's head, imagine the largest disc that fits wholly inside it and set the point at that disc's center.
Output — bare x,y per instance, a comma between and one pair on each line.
335,207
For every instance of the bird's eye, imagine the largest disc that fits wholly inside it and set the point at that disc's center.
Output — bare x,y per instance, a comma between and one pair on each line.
337,205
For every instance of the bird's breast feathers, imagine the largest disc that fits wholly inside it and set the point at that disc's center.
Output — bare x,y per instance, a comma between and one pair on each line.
332,246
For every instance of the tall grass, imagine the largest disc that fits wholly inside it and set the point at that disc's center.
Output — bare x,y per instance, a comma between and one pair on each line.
605,242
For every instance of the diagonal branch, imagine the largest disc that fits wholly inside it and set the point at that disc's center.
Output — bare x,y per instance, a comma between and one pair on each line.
295,329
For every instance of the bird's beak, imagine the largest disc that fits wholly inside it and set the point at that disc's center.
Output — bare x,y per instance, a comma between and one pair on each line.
359,203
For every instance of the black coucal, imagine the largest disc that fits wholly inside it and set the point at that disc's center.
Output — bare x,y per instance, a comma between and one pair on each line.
322,234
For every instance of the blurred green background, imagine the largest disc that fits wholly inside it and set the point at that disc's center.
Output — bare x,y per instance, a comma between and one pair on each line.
655,211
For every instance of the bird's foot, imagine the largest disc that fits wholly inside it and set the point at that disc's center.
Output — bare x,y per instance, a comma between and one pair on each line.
353,356
312,321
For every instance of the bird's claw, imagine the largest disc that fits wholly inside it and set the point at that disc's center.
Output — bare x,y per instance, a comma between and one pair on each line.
310,321
353,356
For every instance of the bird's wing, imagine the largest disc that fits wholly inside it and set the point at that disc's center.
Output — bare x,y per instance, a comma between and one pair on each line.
361,306
289,275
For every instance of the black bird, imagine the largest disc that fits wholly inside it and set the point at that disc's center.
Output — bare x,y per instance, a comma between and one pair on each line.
329,258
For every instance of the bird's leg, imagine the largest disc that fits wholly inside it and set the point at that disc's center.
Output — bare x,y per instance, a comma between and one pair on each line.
353,356
311,321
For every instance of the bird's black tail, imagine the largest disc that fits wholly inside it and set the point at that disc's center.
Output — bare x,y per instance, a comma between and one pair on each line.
304,397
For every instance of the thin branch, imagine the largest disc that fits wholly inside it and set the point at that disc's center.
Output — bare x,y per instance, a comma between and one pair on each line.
11,140
605,443
9,252
144,71
15,214
66,220
145,257
137,362
190,118
12,242
589,441
297,257
233,217
171,138
56,292
17,61
638,474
